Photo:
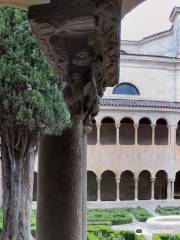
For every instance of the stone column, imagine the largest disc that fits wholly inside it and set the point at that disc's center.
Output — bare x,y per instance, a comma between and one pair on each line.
172,188
60,190
98,189
136,179
152,188
117,189
98,126
117,133
136,133
169,192
153,134
172,133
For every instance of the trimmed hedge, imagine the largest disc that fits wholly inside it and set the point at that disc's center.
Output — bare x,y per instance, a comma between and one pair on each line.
168,210
109,216
141,214
100,232
166,237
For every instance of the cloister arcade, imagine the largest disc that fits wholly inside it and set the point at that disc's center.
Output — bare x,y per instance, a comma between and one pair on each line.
127,186
128,132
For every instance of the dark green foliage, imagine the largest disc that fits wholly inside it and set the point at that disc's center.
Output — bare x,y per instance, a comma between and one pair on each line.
30,94
166,237
141,214
168,210
109,216
100,232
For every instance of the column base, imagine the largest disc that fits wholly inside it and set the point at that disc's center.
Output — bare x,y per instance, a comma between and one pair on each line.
98,201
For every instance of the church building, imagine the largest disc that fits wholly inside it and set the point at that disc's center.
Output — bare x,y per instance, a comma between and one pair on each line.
134,148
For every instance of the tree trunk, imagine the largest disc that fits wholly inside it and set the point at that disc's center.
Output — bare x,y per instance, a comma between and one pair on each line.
18,155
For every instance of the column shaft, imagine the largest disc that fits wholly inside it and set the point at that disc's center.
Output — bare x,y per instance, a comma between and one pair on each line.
117,189
98,133
152,188
169,189
136,134
136,189
98,189
153,135
172,189
60,190
117,133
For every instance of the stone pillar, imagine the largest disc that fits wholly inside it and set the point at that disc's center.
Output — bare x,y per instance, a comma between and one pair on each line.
136,179
169,192
172,135
136,133
60,191
117,133
172,188
153,134
98,126
117,189
98,189
152,188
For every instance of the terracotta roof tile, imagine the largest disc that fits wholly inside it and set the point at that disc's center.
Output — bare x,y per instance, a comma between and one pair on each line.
139,103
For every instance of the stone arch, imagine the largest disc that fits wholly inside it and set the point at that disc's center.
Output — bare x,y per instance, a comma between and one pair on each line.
178,134
144,132
92,136
161,132
161,185
35,187
127,186
144,185
127,132
108,186
91,186
108,131
177,186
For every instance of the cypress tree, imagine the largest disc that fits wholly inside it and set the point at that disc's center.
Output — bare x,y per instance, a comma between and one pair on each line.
30,105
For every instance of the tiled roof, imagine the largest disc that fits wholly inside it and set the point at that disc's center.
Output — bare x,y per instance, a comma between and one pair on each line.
138,103
146,55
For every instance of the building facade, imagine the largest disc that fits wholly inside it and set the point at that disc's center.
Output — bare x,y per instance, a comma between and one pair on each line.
134,147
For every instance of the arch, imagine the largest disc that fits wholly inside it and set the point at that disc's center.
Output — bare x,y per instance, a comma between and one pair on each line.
144,185
91,186
126,88
177,186
108,131
127,186
35,187
127,132
178,134
144,132
161,185
161,132
108,186
92,136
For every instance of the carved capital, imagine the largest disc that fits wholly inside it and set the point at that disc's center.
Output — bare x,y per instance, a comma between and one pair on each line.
81,42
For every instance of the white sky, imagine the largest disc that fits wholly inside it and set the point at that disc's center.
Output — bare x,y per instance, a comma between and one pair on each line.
150,17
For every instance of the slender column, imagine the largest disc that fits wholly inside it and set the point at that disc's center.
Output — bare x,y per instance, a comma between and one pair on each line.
60,191
117,132
98,126
152,188
172,188
153,134
117,189
136,133
172,135
99,189
136,179
169,193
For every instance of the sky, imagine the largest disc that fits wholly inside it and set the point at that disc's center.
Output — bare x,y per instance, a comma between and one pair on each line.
148,18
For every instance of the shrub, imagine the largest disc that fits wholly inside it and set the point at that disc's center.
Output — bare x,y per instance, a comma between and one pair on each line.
141,214
168,210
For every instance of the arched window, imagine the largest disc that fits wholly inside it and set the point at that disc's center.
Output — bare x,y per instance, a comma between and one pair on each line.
126,88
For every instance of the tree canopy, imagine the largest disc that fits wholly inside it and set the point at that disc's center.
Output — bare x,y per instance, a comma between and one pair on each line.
30,93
